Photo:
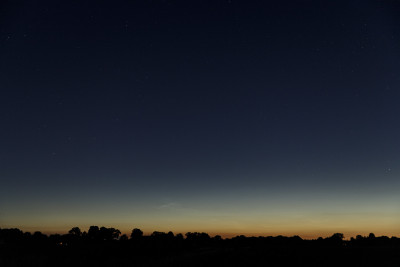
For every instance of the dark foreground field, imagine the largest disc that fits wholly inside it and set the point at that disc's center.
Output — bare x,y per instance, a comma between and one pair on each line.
196,249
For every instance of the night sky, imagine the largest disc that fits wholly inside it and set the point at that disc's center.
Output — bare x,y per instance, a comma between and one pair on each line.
228,117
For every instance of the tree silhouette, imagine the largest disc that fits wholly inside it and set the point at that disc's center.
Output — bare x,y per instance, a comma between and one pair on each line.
217,238
75,231
170,235
371,236
337,236
179,237
109,233
93,232
336,239
197,236
136,234
11,235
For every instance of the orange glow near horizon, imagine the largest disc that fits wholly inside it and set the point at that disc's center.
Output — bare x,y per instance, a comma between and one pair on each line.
252,216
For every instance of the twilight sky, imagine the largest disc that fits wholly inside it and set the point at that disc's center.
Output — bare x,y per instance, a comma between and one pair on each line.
230,117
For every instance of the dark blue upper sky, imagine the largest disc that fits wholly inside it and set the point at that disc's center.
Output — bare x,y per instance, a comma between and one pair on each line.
197,106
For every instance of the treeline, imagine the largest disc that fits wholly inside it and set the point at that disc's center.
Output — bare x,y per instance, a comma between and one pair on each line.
103,235
100,235
102,246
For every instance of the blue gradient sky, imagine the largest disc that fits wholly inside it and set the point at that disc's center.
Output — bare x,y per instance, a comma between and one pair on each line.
228,117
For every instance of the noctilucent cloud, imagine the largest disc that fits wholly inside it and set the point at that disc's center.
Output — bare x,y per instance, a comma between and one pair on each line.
228,117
